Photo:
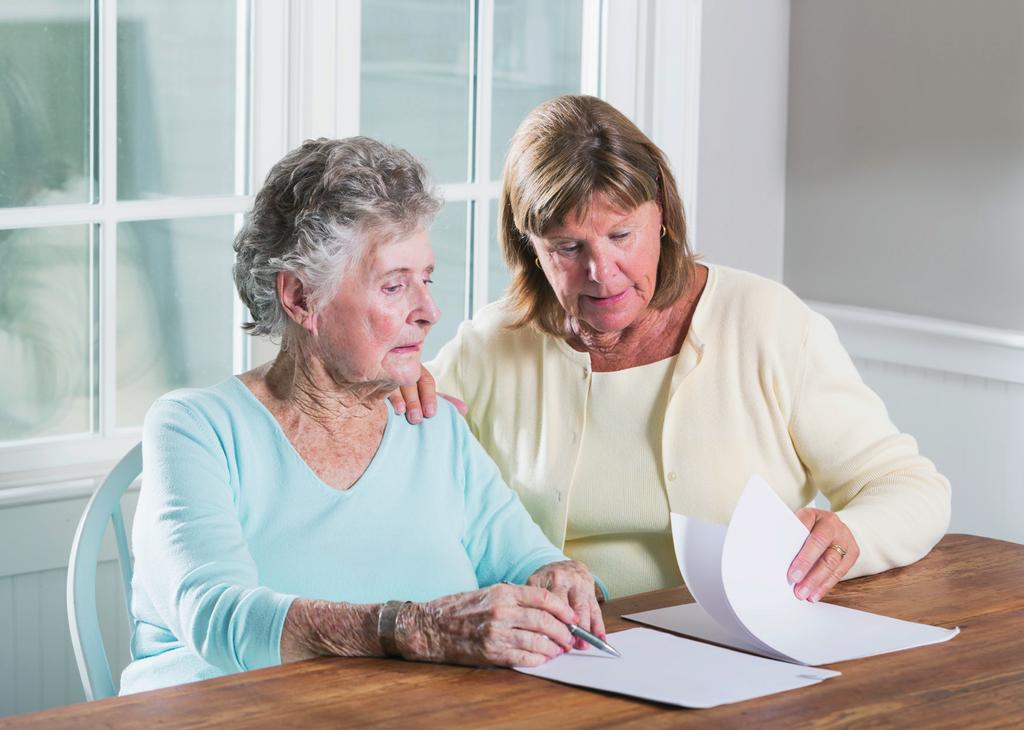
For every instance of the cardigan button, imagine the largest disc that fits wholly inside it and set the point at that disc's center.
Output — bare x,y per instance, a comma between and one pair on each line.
671,476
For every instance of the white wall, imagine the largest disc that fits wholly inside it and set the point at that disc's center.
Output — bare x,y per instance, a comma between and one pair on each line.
906,157
37,667
905,198
741,180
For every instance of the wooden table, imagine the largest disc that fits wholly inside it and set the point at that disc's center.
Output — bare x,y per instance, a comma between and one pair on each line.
975,680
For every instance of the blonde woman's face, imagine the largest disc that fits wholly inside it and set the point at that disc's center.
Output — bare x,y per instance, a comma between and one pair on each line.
603,267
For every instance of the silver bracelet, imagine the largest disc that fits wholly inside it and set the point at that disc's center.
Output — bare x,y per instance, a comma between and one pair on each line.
386,621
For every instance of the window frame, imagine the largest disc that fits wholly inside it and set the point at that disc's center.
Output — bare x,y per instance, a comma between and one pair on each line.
303,62
75,459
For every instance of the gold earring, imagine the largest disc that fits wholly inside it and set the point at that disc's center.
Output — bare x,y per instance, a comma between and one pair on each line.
663,230
536,262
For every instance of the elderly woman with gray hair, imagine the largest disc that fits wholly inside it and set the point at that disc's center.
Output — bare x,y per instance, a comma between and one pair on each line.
289,512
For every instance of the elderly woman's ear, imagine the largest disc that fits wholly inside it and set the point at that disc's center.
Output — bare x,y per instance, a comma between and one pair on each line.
294,297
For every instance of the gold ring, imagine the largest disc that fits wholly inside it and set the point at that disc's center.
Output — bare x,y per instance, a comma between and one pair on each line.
839,549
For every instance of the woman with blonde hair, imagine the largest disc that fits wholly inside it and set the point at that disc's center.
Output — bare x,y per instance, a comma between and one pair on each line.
621,379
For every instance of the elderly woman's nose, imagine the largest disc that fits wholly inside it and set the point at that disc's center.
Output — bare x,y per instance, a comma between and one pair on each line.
427,310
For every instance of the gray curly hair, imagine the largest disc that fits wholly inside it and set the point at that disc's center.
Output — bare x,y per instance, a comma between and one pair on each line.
314,215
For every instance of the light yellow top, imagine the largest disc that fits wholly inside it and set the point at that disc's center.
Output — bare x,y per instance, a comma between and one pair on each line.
618,508
761,385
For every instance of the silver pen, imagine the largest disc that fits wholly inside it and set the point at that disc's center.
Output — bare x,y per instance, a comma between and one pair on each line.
593,640
588,637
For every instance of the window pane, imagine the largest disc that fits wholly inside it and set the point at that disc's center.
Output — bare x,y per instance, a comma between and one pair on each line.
176,98
174,309
448,235
497,273
537,55
44,102
414,80
46,318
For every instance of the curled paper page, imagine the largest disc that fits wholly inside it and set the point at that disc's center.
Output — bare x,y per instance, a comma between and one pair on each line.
738,575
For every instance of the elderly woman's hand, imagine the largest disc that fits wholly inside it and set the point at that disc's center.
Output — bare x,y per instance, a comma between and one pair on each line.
571,580
506,625
827,555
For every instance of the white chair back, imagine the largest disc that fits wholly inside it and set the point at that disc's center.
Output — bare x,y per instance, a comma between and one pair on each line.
83,618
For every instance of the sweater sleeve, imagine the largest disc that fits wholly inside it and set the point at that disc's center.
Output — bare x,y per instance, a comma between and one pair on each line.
190,553
893,500
502,540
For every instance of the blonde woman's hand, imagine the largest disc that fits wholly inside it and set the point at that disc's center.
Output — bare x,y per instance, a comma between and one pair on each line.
504,625
827,555
419,400
572,581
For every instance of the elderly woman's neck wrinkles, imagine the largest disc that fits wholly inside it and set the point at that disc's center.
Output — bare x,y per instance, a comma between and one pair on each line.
305,384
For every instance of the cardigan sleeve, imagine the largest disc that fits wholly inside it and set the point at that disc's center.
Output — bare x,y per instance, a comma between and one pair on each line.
190,553
893,500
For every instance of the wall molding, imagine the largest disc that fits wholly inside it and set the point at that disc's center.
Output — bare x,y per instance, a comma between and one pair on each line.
924,342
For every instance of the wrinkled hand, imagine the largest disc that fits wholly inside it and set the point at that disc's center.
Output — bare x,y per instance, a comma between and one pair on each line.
419,400
819,566
570,580
506,625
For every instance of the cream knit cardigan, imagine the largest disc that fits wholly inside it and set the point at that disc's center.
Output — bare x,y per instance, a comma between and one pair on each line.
762,385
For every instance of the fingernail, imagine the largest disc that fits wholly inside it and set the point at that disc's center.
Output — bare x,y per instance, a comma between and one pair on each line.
429,410
802,591
415,415
400,408
816,597
796,575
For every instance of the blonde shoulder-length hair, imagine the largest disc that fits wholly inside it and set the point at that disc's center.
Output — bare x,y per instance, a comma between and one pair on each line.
567,150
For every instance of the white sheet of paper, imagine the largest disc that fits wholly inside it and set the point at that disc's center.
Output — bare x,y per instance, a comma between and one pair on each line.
739,575
665,668
698,547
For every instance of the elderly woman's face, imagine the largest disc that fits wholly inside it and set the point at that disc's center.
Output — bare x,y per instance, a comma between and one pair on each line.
603,267
373,329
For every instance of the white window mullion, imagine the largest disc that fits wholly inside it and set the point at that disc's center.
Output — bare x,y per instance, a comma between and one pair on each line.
271,110
347,55
108,218
458,192
484,84
675,95
241,343
241,350
243,95
590,53
622,77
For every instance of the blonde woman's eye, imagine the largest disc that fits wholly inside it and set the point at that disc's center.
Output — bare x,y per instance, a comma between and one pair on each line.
428,281
394,289
570,250
620,236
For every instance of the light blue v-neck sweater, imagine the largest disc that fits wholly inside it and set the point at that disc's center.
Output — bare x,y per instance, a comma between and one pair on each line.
232,525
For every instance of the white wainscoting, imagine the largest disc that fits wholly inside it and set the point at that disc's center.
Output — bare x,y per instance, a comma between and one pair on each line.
37,666
959,390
